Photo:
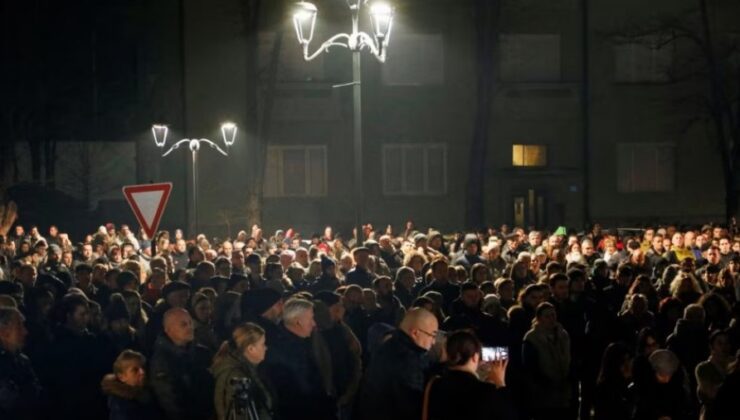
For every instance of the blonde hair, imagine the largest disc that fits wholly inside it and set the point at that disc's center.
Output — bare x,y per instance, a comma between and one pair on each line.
243,336
125,359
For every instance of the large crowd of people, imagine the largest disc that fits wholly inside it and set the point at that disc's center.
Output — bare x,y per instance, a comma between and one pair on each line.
498,323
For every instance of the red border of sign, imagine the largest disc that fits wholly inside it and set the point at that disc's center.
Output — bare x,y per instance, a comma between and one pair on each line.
129,190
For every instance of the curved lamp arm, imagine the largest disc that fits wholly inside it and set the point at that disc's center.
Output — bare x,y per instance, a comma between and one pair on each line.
176,146
214,146
331,42
368,41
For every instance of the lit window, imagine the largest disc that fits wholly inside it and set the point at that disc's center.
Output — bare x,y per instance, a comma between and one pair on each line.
296,171
528,155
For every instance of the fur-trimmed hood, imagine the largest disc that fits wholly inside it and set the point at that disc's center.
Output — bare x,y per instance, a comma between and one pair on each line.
111,386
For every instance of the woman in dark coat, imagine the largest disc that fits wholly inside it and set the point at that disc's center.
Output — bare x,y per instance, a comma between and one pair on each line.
128,397
238,358
459,394
613,398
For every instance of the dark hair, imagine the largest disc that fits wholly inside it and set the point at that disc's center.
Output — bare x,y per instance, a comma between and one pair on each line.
642,337
83,267
126,278
611,362
69,304
715,335
556,277
461,346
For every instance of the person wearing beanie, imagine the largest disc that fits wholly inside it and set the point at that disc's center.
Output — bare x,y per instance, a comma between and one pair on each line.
263,307
175,294
328,280
343,346
471,252
120,333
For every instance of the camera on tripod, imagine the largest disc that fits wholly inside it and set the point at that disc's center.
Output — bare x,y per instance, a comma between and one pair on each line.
240,384
242,406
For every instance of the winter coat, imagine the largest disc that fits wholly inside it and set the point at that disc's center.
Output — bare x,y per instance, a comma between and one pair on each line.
546,358
360,277
449,292
20,390
181,380
393,385
128,403
298,383
656,400
461,395
77,363
232,366
614,400
689,342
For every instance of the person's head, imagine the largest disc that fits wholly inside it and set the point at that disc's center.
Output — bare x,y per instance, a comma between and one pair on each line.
75,310
719,344
545,316
647,342
405,277
352,297
83,275
694,313
470,295
463,349
657,242
531,296
202,308
12,329
176,294
361,256
129,368
504,288
616,364
725,246
383,286
559,286
298,317
440,271
178,326
333,302
248,340
421,326
665,363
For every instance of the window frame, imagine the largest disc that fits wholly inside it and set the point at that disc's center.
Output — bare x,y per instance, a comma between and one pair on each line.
656,146
307,179
403,148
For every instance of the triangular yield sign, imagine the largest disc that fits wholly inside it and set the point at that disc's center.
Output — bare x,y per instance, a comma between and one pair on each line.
148,202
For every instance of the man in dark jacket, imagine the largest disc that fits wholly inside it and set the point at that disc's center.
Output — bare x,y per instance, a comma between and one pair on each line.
179,371
263,307
293,369
440,283
360,274
394,382
471,252
19,388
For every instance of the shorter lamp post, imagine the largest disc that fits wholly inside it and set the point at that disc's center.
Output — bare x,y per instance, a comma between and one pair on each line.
228,133
381,16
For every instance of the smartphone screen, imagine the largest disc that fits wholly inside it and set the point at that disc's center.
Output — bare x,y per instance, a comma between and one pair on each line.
494,354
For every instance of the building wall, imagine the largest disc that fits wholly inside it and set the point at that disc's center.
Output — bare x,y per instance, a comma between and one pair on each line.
308,111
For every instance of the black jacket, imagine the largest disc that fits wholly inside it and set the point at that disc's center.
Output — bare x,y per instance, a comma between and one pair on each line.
292,369
360,277
182,383
460,395
394,382
128,403
20,391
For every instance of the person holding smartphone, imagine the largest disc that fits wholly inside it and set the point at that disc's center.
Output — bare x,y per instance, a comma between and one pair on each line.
459,393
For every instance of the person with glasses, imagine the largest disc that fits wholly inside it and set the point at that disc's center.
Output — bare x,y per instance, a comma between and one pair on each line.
395,378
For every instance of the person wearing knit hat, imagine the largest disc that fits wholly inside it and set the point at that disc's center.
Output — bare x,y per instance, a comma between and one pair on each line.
328,279
263,307
343,346
176,293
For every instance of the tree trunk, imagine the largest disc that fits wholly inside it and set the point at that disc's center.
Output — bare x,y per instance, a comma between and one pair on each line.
486,13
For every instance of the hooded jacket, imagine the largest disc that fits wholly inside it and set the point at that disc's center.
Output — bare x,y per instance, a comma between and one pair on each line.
126,402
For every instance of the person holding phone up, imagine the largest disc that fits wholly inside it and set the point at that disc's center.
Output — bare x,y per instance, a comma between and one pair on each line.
459,393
